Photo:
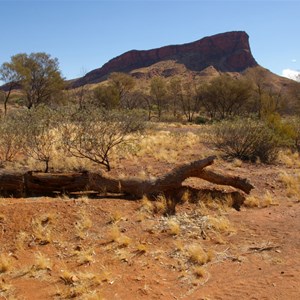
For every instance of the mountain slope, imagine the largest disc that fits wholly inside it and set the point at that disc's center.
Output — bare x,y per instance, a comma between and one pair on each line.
226,52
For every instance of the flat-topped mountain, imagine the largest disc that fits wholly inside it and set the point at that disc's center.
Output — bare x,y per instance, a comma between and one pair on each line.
225,52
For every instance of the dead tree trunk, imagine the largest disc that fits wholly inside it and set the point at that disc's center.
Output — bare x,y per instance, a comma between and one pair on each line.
137,187
33,184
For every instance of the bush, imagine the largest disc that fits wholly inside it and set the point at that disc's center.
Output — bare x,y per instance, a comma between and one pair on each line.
294,123
247,139
40,133
92,133
11,137
201,120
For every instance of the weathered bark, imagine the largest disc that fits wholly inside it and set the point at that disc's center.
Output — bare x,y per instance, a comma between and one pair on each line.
234,181
11,184
33,183
138,188
50,183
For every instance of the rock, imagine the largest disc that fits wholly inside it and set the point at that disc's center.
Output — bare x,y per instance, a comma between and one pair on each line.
225,52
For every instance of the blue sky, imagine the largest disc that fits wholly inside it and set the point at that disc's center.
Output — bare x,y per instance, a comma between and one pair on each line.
84,35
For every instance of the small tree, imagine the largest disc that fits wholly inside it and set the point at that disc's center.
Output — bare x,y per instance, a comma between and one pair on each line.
41,134
11,137
225,97
93,133
122,84
106,96
158,92
12,79
185,95
38,75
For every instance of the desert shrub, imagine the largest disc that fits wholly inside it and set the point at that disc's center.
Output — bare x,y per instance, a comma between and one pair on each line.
40,133
11,137
247,139
201,120
294,123
92,133
285,132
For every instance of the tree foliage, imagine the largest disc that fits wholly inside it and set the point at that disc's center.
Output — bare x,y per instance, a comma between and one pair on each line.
158,93
106,96
11,78
225,97
38,74
122,84
184,95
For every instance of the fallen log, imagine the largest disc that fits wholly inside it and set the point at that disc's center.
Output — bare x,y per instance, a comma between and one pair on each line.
234,181
11,184
137,187
44,184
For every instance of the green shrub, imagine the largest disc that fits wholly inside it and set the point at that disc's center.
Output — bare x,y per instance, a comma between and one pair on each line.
294,124
284,131
201,120
247,139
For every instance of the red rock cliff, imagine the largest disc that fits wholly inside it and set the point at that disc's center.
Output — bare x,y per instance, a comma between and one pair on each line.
226,52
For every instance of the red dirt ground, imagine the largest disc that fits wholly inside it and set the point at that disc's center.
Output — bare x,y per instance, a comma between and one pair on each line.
257,258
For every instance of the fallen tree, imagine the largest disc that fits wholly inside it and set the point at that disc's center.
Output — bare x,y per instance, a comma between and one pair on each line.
169,184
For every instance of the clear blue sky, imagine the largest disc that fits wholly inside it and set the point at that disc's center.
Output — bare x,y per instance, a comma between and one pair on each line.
84,35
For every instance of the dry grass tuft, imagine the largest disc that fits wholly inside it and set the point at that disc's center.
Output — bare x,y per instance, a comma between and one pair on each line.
5,263
161,204
186,197
5,290
141,248
85,257
21,238
289,158
2,218
291,182
268,200
147,205
94,296
124,240
114,233
265,201
179,245
42,262
42,229
115,217
83,224
220,224
173,226
68,277
252,201
199,271
237,163
197,255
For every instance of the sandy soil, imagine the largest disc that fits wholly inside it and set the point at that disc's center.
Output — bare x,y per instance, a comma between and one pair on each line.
114,248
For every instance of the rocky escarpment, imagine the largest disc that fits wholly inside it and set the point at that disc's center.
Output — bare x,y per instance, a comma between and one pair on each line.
226,52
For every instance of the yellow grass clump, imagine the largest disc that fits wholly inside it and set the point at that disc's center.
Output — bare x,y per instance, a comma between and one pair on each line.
291,182
197,255
5,263
220,224
173,227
